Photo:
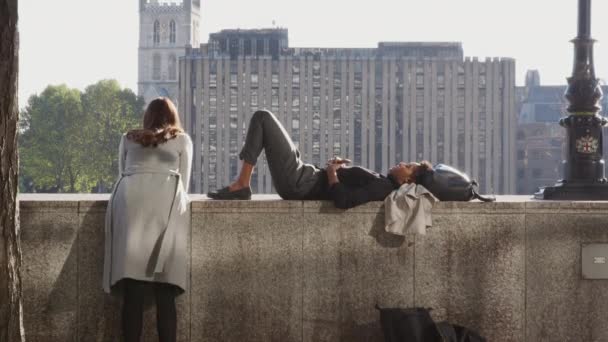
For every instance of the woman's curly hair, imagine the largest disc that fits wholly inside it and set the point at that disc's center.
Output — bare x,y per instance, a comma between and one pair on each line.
422,171
161,123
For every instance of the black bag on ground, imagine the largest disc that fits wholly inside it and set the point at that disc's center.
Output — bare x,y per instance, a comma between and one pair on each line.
417,325
411,325
457,333
449,184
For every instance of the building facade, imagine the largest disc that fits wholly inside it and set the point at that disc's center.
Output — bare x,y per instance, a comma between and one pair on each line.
376,106
165,29
540,139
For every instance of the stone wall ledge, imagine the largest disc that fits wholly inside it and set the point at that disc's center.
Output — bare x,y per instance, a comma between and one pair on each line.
272,203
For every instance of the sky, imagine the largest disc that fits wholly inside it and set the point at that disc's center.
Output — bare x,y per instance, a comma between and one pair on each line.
79,42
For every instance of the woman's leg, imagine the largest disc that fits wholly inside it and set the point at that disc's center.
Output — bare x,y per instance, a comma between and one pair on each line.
132,309
266,133
166,315
244,180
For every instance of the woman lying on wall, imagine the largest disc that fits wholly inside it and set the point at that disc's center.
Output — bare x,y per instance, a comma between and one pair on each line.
296,180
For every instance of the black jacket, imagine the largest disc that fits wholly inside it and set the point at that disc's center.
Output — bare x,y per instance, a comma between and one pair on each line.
358,185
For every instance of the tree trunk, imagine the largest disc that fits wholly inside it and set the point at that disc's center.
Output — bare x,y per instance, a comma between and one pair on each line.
72,180
11,310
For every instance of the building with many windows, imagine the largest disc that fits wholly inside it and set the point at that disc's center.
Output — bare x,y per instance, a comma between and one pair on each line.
375,106
165,29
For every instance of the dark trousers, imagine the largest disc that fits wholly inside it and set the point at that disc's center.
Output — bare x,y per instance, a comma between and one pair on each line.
132,310
292,178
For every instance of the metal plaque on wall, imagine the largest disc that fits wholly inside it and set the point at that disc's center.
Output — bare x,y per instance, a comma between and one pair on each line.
595,261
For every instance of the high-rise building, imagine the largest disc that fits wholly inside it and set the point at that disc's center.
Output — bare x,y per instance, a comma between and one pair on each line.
165,29
375,106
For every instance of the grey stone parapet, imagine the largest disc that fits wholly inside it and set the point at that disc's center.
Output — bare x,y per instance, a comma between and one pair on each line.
275,270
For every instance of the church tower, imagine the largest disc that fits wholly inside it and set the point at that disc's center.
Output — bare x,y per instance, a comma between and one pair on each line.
165,29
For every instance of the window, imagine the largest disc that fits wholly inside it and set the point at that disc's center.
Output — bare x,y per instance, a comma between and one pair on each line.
521,155
482,99
254,97
259,47
247,47
460,101
358,79
316,102
172,32
233,97
461,80
172,67
440,102
521,135
274,97
337,79
156,67
440,81
316,80
336,102
156,32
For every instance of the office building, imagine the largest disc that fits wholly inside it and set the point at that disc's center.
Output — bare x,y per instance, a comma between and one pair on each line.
376,106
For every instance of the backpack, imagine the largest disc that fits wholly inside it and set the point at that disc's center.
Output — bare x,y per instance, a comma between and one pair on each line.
408,324
449,184
417,325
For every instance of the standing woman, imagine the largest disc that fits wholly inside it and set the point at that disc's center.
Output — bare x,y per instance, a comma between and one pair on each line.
147,220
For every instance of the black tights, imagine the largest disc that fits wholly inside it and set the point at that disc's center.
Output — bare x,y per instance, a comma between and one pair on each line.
132,310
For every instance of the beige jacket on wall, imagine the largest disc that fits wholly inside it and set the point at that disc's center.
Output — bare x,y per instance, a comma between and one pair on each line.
408,209
147,222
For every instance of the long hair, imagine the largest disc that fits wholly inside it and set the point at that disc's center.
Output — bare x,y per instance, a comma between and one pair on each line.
161,123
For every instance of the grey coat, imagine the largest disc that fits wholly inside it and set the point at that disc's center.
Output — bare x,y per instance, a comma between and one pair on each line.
148,219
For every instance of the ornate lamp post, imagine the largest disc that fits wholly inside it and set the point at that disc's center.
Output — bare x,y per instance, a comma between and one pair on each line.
584,177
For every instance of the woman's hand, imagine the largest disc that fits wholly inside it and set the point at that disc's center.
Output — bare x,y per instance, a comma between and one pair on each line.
332,166
338,160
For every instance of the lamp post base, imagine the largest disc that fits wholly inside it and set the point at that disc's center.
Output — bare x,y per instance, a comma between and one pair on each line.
574,192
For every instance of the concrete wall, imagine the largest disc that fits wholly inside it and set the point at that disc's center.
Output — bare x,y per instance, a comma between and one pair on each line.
273,270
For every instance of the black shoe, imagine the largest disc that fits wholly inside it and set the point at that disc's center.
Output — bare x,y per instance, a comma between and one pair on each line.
225,194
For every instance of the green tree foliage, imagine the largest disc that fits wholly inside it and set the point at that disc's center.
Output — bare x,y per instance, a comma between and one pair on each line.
112,112
69,139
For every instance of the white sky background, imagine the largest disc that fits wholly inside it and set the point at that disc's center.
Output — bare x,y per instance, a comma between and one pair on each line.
79,42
